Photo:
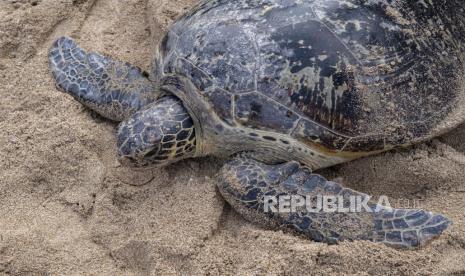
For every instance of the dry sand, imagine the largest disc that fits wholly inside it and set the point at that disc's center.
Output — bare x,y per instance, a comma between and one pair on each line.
67,207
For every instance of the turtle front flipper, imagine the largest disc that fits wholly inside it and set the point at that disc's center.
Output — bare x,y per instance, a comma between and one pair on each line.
290,196
113,89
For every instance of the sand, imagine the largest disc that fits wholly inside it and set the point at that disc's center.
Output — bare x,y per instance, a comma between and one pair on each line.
68,207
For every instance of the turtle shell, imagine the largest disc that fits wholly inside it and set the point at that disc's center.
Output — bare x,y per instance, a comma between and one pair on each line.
346,75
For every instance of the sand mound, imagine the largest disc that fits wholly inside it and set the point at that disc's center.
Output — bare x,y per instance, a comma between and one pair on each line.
67,207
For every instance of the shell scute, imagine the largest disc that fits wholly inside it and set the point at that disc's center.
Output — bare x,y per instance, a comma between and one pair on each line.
314,135
256,111
221,102
230,62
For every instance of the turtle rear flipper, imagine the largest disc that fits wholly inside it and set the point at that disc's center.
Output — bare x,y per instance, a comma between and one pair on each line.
408,227
113,89
290,196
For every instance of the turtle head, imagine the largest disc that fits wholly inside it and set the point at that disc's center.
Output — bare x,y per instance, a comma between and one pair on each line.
160,134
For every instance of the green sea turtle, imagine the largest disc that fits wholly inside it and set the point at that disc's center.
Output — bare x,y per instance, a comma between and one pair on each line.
283,88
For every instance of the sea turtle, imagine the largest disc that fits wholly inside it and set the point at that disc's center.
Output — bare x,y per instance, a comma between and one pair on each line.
283,88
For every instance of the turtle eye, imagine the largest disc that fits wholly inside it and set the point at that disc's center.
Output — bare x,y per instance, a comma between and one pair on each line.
151,154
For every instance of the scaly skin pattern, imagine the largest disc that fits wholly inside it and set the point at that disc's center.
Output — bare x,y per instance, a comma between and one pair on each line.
113,89
160,134
347,76
245,183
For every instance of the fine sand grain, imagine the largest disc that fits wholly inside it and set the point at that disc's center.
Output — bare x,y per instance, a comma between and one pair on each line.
67,207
